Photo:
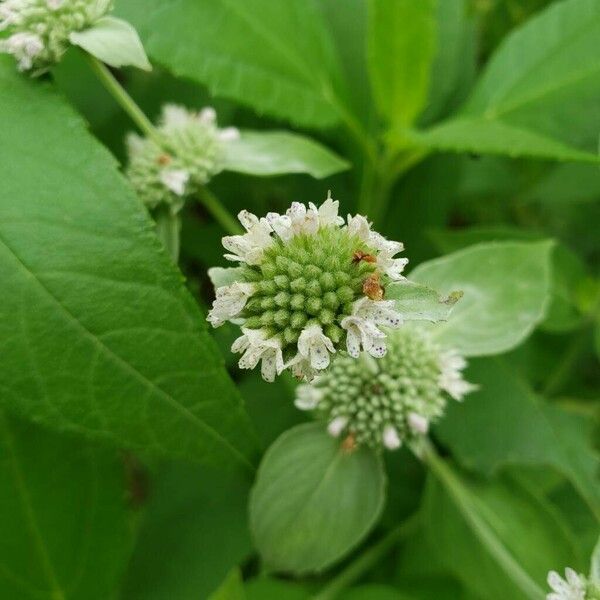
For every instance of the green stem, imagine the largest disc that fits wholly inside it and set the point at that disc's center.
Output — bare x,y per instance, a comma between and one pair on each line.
218,211
127,103
168,228
367,560
464,503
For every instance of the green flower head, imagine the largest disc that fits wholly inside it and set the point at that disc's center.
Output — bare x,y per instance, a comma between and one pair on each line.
39,30
390,401
310,284
190,153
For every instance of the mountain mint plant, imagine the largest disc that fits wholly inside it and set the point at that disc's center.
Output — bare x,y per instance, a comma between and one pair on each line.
384,403
310,284
39,30
188,153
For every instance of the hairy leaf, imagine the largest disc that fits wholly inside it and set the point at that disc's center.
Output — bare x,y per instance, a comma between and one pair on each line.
419,303
401,41
99,335
313,501
280,152
506,289
65,527
273,56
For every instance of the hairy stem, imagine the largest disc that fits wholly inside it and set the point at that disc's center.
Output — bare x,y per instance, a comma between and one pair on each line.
463,501
212,204
366,561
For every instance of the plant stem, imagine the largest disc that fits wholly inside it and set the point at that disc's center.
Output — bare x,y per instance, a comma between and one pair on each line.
369,558
465,504
127,103
218,211
168,228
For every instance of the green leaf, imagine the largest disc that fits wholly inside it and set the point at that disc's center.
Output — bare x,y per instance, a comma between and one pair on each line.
265,588
99,335
513,534
232,587
197,517
273,56
281,152
419,303
375,591
313,501
401,40
595,564
66,533
114,42
505,423
506,289
540,93
476,134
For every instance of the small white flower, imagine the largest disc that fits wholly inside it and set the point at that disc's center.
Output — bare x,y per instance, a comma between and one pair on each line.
391,440
175,180
174,115
313,353
451,377
360,227
418,423
328,212
303,220
208,115
336,426
229,302
54,4
229,134
281,225
256,348
307,397
571,588
386,250
362,326
250,246
24,47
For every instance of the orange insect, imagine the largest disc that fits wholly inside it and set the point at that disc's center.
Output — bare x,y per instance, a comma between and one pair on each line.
349,443
163,159
360,255
372,287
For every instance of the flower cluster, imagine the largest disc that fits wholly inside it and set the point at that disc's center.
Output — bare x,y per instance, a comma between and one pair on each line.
310,284
187,155
573,587
39,30
385,403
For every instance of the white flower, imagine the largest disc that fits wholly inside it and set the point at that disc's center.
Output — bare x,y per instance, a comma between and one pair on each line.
307,397
571,588
303,220
360,227
175,180
328,212
362,326
250,246
391,440
451,377
336,426
174,115
24,47
229,134
418,423
387,249
256,348
230,301
208,115
313,352
54,4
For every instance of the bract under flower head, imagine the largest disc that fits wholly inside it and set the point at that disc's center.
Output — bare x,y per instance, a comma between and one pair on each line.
189,154
305,274
39,30
384,403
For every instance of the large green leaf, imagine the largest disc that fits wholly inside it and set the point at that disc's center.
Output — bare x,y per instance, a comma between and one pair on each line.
313,500
281,152
401,40
506,289
197,518
505,423
99,336
498,538
540,93
273,56
65,527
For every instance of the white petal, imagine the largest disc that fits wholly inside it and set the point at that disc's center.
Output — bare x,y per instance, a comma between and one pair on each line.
418,423
229,134
175,180
337,425
307,397
391,440
175,116
208,115
315,346
359,226
229,302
